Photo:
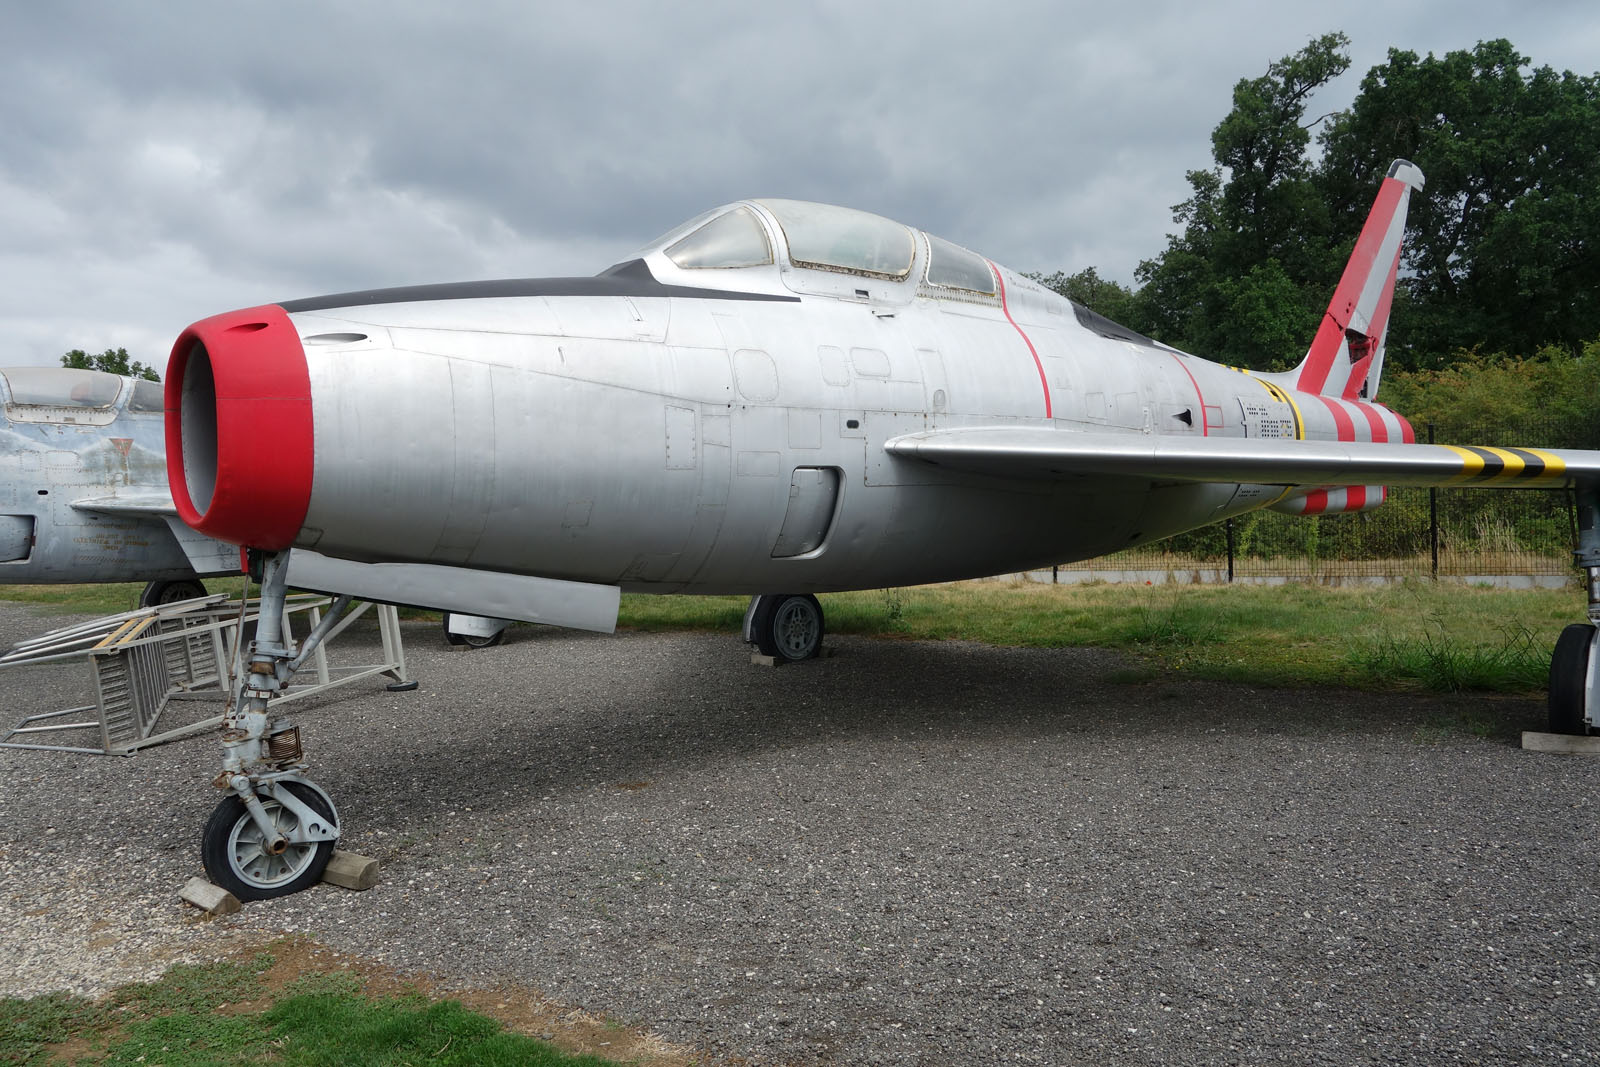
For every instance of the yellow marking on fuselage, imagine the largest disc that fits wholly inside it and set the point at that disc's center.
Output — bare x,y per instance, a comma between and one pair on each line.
1283,396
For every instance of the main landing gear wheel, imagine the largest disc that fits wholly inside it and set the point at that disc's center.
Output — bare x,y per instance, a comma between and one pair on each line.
1569,678
170,592
472,640
237,858
788,626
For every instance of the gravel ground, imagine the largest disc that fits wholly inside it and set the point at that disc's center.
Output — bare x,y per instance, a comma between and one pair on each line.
906,853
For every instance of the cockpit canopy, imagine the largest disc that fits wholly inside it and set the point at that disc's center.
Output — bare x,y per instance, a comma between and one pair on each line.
64,394
826,238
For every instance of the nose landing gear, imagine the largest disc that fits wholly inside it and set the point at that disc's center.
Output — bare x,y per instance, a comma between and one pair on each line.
274,833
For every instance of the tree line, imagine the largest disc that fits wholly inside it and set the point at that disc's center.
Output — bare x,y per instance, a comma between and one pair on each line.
1502,253
112,361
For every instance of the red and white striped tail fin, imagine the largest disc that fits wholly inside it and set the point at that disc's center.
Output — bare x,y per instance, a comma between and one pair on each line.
1346,358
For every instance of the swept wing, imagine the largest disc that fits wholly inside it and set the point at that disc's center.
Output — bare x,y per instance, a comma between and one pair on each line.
1049,453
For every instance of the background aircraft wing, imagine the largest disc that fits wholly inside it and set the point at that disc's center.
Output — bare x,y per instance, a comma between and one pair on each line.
206,555
147,502
1043,452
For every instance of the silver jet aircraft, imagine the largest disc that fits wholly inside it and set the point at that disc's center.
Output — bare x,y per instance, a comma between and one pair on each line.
776,398
83,487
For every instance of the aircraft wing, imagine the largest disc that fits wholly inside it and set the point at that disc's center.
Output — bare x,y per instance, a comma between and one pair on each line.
205,555
145,502
1048,453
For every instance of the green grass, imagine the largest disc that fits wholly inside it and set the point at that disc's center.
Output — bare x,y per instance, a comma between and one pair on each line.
1439,636
108,599
225,1014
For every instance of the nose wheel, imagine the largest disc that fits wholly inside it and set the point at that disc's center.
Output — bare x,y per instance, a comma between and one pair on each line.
242,858
274,832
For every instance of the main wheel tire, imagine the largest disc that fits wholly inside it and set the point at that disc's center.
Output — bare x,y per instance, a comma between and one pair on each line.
170,592
472,640
788,626
235,859
1569,678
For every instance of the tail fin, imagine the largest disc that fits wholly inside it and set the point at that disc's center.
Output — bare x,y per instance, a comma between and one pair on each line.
1346,358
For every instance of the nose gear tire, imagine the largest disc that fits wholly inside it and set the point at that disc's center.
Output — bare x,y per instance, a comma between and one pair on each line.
236,859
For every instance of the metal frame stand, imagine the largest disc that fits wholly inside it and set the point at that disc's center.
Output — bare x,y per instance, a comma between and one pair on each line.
141,661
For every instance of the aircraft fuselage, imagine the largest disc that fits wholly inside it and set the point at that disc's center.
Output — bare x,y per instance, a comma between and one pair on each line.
721,431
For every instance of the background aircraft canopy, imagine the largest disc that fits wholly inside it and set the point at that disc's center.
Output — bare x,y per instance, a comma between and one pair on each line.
69,395
60,387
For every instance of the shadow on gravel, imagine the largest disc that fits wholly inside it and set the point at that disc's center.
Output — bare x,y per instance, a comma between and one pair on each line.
552,712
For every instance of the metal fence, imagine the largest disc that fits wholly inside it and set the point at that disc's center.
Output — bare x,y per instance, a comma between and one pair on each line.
1437,533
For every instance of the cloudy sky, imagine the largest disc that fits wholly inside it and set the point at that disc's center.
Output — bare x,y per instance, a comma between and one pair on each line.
160,162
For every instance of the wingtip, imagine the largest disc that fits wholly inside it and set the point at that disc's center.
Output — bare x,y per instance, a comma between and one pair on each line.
1408,172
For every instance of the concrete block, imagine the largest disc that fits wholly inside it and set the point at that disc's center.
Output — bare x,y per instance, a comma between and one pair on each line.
350,871
773,661
211,899
1564,744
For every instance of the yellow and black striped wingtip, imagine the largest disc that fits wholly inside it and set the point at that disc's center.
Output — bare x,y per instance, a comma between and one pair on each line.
1498,466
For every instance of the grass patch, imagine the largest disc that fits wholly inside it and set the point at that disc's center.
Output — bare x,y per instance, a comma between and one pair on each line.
247,1013
28,1027
1439,636
105,599
1439,662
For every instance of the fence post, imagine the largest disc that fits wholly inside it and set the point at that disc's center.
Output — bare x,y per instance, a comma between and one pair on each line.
1433,517
1229,525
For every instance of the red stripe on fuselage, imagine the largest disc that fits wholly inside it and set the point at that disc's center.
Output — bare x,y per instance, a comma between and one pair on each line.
1380,431
1316,502
1344,427
1205,423
1037,362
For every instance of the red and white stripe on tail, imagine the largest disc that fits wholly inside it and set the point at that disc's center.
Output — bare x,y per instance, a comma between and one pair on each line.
1346,358
1332,501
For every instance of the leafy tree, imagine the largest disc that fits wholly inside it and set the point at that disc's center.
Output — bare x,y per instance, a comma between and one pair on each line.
1255,227
112,361
1503,248
1550,398
1111,299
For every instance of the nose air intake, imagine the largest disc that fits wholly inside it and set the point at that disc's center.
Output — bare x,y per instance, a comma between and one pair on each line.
239,431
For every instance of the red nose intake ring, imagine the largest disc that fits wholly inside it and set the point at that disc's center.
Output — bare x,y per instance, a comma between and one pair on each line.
239,432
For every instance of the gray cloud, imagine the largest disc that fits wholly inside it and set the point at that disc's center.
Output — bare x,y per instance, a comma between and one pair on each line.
163,162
